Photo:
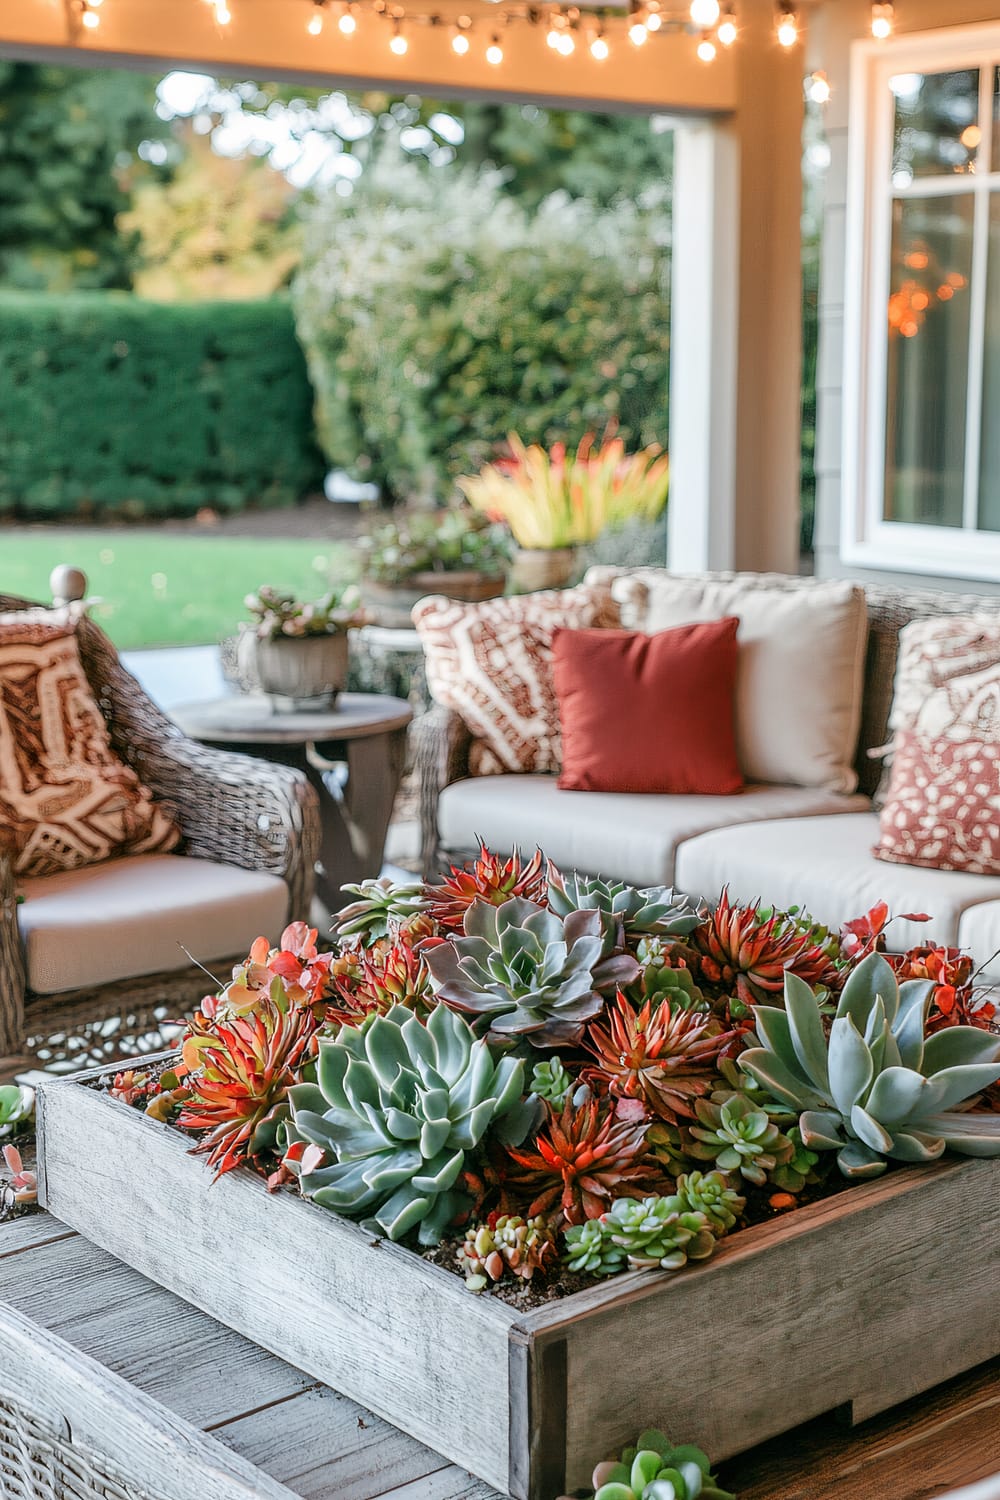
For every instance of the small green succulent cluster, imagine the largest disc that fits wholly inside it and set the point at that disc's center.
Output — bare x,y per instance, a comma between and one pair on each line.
523,970
657,1469
625,911
737,1137
641,1234
396,1109
550,1081
661,980
381,908
877,1088
510,1243
17,1109
710,1193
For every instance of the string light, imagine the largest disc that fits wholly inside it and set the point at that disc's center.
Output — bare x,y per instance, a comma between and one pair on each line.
494,52
223,15
818,89
399,45
315,26
567,43
787,23
348,21
89,16
459,41
554,35
599,48
653,18
727,31
637,33
883,19
706,49
705,13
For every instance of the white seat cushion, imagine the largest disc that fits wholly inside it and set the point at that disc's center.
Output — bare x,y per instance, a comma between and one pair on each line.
826,865
629,835
127,917
979,932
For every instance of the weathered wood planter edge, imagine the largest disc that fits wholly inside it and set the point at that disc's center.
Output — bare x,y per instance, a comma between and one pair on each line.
860,1301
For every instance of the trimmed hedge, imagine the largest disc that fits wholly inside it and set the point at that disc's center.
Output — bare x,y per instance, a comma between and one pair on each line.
114,406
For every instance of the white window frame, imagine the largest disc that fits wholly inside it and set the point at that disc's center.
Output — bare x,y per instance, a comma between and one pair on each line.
867,539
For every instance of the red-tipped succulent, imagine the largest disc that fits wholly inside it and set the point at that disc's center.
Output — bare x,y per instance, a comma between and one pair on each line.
388,974
662,1057
240,1070
954,1001
584,1157
488,878
749,957
293,975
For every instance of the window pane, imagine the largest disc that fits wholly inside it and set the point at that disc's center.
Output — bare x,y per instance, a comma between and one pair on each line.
928,359
989,463
936,124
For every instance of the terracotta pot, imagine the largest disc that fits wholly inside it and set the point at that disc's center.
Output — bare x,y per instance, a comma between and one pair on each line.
391,603
300,671
544,568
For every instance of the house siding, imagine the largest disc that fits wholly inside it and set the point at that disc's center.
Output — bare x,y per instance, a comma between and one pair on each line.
832,30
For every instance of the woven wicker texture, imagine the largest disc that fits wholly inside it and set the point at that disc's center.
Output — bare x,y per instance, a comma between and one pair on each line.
39,1463
231,808
442,740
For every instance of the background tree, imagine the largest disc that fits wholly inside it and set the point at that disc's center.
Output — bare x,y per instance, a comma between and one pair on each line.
221,228
68,158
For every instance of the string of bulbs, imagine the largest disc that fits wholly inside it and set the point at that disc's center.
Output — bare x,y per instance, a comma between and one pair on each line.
566,27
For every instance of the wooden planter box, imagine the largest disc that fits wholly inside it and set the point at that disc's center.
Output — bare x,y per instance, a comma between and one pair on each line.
858,1302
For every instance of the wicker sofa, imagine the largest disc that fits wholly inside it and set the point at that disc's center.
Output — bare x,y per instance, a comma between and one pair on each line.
91,961
785,844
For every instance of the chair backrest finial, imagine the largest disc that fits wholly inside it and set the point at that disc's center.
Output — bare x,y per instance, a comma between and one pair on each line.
67,584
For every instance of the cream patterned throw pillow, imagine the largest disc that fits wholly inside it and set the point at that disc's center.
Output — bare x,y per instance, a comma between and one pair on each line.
66,799
492,664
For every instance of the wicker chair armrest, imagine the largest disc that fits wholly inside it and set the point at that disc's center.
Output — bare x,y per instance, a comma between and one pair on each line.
11,963
441,743
239,811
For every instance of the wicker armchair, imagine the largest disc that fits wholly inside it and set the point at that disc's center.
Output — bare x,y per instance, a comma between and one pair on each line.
231,809
442,741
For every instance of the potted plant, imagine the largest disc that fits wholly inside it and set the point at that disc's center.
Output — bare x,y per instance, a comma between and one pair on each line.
611,1114
297,651
555,503
458,553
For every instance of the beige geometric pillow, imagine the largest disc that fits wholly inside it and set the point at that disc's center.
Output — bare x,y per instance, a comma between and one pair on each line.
800,670
492,664
66,799
946,679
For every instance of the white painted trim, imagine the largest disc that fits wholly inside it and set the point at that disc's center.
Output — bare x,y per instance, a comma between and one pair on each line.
866,538
704,334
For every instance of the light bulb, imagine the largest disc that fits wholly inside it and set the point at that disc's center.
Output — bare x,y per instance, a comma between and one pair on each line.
818,88
348,22
460,43
654,21
727,32
706,50
223,15
704,13
90,19
599,49
315,26
399,45
883,17
637,33
552,37
787,24
494,52
567,44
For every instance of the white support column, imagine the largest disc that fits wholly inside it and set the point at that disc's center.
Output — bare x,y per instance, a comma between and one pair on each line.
704,334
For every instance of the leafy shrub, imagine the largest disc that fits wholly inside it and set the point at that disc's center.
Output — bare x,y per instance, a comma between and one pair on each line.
438,314
109,404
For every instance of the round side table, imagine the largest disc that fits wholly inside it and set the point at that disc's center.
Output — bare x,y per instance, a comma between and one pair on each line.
364,731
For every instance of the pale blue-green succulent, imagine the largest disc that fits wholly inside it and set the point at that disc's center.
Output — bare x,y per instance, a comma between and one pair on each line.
653,911
381,907
396,1109
525,971
877,1088
550,1081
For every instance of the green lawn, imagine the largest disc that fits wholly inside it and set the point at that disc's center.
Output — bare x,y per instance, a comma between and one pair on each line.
167,590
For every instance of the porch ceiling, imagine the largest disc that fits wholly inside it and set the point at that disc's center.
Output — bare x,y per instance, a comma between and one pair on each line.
268,39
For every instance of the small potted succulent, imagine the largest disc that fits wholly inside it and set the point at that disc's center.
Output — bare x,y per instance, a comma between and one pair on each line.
556,502
297,651
458,553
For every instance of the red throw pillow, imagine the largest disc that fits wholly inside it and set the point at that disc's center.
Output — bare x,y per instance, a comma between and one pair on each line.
942,810
649,713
